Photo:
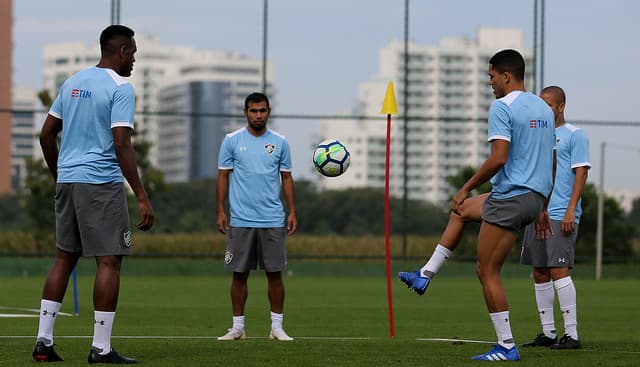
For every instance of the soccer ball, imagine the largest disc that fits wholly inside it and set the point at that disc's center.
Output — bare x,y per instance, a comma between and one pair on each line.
331,158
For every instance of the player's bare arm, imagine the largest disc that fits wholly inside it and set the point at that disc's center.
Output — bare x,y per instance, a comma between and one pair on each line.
497,159
222,188
50,130
127,160
580,179
289,196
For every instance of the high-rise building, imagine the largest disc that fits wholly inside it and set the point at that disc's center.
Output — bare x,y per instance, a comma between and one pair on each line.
156,65
448,102
6,54
203,101
24,132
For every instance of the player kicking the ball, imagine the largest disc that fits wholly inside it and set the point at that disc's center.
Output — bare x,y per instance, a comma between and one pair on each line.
520,167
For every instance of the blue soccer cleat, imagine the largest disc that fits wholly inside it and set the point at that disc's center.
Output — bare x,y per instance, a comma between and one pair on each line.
416,282
499,354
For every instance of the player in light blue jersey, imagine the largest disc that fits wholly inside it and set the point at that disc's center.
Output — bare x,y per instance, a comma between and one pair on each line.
254,165
94,111
520,167
549,244
520,164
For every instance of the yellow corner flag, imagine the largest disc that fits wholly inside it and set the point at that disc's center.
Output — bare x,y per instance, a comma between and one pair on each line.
389,106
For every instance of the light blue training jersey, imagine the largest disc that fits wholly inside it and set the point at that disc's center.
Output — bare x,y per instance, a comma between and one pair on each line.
90,103
527,123
255,183
572,147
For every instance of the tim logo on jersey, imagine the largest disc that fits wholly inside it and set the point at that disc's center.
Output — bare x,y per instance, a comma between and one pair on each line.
80,93
541,124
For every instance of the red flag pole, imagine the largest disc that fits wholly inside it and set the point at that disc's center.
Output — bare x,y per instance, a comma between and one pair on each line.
387,226
389,107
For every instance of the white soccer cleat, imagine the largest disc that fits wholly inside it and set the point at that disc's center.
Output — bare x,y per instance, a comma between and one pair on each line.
233,334
279,334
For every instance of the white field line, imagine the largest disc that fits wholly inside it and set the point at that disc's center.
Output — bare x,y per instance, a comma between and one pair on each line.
187,337
455,340
181,337
493,342
37,312
17,315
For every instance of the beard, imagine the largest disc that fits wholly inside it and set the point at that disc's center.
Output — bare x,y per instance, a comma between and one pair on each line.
258,126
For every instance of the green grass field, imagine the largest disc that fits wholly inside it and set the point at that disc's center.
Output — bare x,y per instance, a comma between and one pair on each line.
337,312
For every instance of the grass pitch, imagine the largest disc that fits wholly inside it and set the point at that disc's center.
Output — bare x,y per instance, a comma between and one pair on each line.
337,320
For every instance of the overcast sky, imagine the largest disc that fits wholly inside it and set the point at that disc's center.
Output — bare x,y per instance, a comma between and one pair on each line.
323,49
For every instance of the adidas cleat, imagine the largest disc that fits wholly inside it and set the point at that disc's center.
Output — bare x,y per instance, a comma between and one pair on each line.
499,354
416,282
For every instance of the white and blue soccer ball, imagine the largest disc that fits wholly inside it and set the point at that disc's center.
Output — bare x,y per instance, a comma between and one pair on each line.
331,158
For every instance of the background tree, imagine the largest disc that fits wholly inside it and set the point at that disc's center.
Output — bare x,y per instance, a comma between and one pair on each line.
191,207
152,178
456,181
45,98
10,213
38,198
360,211
186,207
633,218
618,233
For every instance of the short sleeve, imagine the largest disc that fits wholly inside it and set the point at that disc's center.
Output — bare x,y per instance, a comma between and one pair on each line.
123,107
56,107
285,158
580,150
500,125
225,156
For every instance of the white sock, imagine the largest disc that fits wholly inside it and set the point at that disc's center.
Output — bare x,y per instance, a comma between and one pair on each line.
238,322
567,297
276,320
48,313
102,325
503,328
545,296
437,259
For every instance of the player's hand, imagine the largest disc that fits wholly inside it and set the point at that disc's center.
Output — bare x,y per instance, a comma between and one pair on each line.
222,223
292,223
457,200
146,215
568,221
543,226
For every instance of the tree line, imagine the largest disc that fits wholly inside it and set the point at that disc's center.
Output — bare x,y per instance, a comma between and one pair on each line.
191,207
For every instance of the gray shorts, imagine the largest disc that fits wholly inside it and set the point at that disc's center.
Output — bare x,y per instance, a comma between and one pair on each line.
248,247
555,252
513,213
93,219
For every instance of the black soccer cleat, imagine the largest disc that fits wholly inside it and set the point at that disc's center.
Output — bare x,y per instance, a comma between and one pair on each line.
111,357
541,340
43,353
567,342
